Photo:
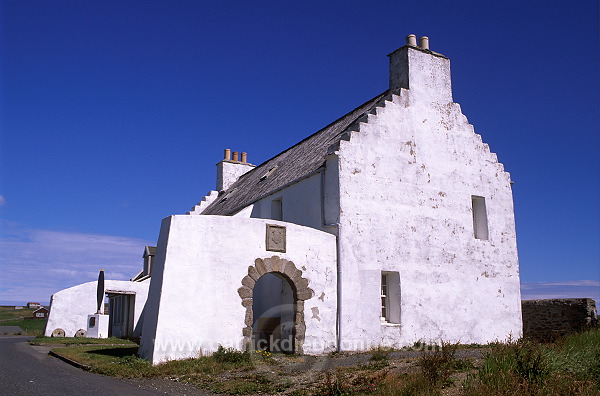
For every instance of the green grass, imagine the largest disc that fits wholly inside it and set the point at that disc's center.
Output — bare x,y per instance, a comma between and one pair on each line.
9,316
33,327
251,384
9,312
577,355
80,340
379,354
569,366
121,361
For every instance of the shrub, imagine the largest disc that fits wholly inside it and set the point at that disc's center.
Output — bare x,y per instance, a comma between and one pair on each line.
570,366
379,354
530,362
438,365
230,355
342,384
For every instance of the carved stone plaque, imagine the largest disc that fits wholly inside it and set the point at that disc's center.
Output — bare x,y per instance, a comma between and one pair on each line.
275,238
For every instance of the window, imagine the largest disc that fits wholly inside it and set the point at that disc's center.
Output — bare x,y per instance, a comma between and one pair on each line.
384,298
277,209
390,297
480,223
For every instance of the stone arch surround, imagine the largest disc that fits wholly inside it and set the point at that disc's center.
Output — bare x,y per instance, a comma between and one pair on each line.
287,269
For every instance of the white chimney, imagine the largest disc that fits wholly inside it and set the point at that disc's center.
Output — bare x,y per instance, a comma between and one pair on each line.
426,74
229,170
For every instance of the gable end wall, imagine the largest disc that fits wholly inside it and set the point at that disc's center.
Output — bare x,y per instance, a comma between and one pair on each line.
406,180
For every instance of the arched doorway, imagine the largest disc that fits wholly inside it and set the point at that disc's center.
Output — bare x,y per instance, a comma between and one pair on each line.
273,309
288,290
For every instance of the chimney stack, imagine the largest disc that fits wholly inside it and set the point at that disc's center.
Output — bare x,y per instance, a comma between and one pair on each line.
230,169
424,73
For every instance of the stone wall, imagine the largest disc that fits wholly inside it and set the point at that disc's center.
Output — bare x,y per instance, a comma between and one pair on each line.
213,262
407,178
547,319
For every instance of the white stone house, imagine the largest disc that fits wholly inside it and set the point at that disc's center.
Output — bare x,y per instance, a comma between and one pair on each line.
69,308
392,224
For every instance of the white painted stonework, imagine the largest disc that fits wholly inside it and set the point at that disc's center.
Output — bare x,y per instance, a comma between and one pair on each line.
229,171
393,203
97,326
194,303
69,308
391,225
418,222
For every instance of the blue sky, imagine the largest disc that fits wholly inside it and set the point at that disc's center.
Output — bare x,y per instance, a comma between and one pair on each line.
114,113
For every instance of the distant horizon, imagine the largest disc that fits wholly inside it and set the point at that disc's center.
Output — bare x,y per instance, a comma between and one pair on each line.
529,291
9,303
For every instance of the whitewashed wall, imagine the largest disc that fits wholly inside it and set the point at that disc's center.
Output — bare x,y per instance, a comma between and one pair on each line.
200,262
70,307
406,181
301,203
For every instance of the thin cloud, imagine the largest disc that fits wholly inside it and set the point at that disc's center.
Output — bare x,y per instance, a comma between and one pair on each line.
562,289
37,263
2,200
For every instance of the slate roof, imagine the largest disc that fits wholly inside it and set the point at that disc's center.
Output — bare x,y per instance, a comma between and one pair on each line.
289,166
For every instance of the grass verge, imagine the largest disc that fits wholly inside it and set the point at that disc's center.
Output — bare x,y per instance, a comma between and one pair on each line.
8,312
121,361
41,340
570,366
32,327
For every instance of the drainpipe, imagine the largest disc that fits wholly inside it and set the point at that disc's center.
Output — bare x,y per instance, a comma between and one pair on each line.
337,227
338,320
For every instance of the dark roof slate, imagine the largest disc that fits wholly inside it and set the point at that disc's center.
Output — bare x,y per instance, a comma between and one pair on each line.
291,165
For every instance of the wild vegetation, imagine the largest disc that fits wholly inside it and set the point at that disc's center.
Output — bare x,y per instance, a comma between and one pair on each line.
80,341
9,316
569,366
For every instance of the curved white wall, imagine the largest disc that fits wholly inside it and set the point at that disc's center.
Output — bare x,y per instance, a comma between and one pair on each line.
194,305
70,307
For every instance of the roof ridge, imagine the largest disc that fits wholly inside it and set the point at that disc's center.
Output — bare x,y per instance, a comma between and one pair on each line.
294,163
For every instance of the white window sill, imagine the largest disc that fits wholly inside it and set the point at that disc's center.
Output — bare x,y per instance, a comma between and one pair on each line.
388,324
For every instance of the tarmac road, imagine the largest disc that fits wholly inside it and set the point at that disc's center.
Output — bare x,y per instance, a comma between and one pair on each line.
27,370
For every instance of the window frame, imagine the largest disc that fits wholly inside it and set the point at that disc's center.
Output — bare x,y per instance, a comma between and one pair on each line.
390,313
277,209
480,218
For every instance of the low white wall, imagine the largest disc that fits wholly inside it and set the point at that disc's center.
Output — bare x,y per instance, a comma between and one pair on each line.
194,305
70,307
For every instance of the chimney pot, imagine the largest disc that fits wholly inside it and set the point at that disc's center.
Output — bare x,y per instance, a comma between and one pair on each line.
227,155
235,155
424,42
244,157
411,39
